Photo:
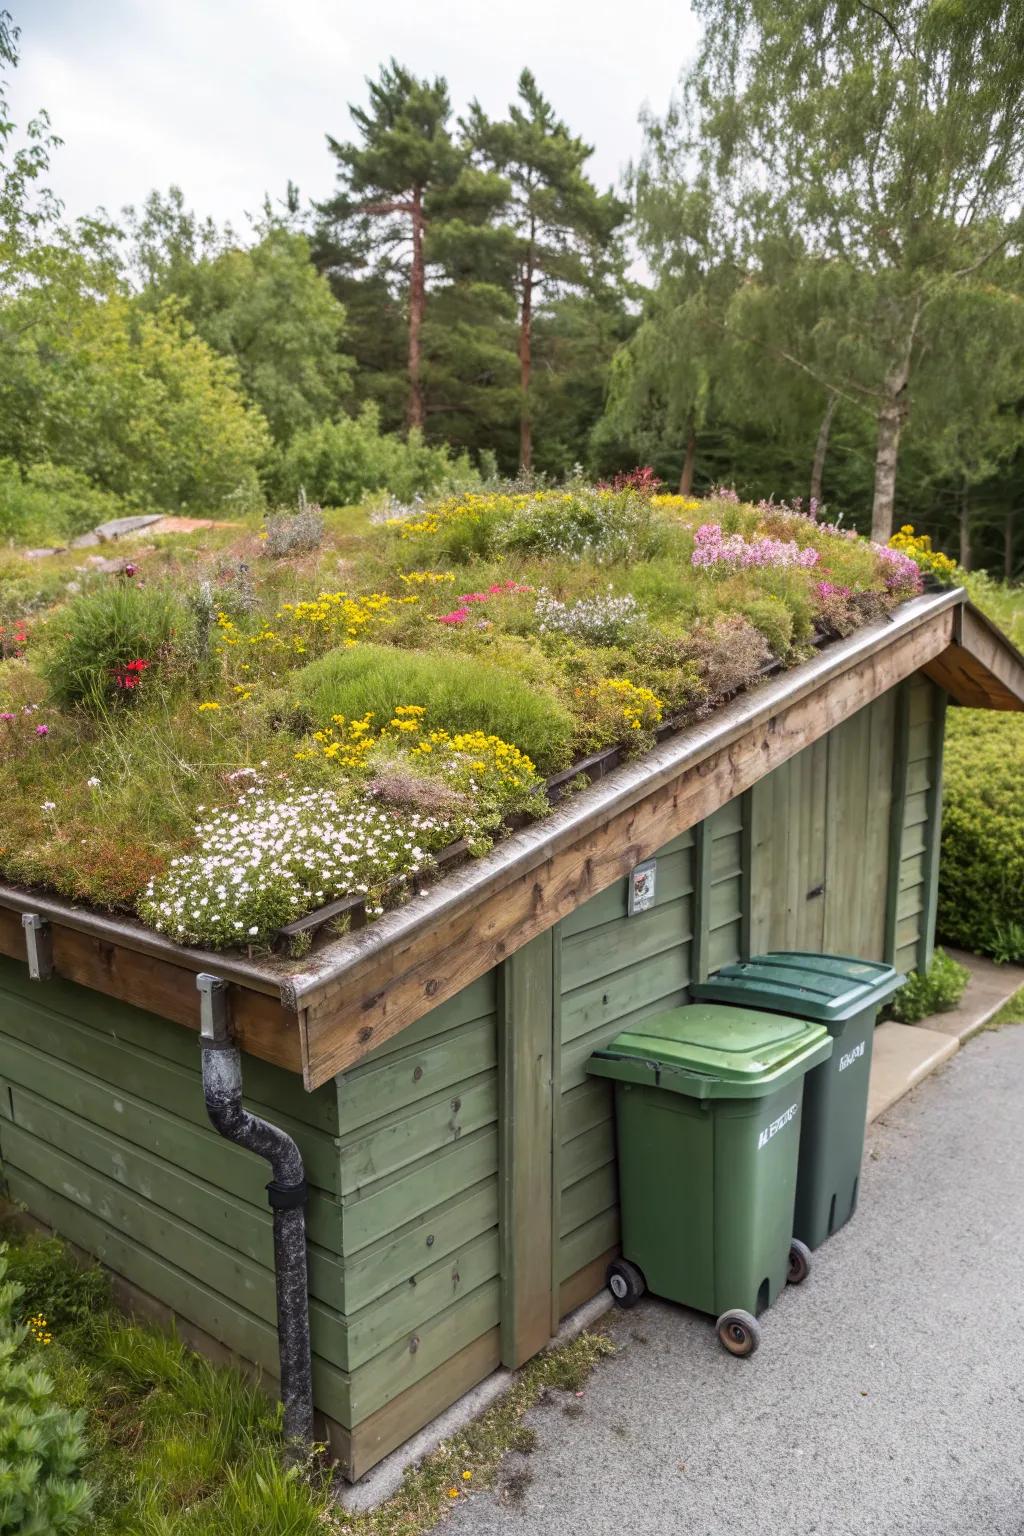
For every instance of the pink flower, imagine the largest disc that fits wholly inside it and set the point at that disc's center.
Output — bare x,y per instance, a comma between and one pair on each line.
7,715
457,616
42,730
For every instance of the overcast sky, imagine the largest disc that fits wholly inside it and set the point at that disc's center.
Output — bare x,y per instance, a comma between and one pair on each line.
230,98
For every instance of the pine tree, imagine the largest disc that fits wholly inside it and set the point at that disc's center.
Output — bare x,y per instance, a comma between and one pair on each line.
392,181
559,231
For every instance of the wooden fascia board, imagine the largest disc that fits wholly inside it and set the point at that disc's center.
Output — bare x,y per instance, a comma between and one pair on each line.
391,985
981,669
155,983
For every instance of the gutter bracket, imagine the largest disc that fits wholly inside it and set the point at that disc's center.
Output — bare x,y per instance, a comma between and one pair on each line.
214,1016
38,946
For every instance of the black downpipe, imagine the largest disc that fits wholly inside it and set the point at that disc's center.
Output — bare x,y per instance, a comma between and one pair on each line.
287,1193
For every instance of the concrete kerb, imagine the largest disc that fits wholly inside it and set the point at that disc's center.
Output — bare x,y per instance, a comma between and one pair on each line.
386,1477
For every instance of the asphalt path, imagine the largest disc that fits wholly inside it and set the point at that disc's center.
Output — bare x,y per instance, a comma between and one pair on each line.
888,1393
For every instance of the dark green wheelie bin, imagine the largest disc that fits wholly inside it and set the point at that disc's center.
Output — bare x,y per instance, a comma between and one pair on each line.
844,994
707,1108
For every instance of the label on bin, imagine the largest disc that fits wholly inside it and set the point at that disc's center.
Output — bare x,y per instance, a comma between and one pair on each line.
777,1125
851,1056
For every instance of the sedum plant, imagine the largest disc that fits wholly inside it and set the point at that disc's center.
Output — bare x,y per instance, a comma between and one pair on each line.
936,990
42,1445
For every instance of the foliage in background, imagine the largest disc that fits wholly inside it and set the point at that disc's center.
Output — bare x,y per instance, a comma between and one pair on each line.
338,462
42,1444
981,880
45,502
937,990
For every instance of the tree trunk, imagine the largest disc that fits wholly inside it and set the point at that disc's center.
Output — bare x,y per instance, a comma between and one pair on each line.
1008,546
417,305
890,426
686,478
965,529
526,364
892,418
820,451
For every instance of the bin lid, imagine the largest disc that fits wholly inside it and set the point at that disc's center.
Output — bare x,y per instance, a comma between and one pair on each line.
712,1051
829,988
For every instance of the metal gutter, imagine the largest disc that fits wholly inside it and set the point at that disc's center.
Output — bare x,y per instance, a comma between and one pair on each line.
128,933
530,848
297,983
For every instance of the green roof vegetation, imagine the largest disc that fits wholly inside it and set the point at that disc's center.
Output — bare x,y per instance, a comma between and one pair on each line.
226,735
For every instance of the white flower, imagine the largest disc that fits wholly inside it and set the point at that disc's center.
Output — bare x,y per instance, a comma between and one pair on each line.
49,805
93,783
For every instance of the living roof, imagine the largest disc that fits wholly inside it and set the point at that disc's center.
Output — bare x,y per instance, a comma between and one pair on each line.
356,989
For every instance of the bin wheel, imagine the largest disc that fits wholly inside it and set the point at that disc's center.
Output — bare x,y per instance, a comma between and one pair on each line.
738,1332
625,1282
799,1262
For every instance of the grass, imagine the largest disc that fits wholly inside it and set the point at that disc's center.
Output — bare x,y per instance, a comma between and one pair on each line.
136,704
179,1447
1012,1012
377,679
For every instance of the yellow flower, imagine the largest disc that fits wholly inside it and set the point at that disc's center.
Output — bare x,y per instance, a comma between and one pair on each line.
466,1476
209,704
453,1493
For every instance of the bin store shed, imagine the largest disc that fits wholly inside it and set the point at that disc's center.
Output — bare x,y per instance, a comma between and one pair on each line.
432,1067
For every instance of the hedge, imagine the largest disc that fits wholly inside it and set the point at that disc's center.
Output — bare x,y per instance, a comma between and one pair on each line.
981,880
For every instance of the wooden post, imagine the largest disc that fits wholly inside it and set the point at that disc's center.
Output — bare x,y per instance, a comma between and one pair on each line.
901,736
702,901
926,942
746,875
525,1053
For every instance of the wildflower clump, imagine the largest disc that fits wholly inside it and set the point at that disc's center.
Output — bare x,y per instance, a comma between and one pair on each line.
620,712
932,561
488,773
712,548
268,859
499,780
603,619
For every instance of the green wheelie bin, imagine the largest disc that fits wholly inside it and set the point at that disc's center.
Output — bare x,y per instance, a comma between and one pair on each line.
707,1109
844,994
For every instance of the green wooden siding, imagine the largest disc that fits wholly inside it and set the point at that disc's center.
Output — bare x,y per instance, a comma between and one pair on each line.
614,970
418,1190
103,1134
920,720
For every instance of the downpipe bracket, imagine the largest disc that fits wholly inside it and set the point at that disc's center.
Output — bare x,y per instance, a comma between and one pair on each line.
38,946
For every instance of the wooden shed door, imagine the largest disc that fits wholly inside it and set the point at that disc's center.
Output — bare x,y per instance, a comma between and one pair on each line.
788,845
820,838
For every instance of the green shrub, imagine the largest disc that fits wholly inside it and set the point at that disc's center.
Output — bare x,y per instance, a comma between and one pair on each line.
52,1284
938,990
100,633
48,503
338,462
981,874
458,693
42,1446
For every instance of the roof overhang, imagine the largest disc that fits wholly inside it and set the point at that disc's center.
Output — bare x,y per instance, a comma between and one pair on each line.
321,1016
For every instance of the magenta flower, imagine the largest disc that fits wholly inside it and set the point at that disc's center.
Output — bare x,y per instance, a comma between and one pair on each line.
42,730
7,715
